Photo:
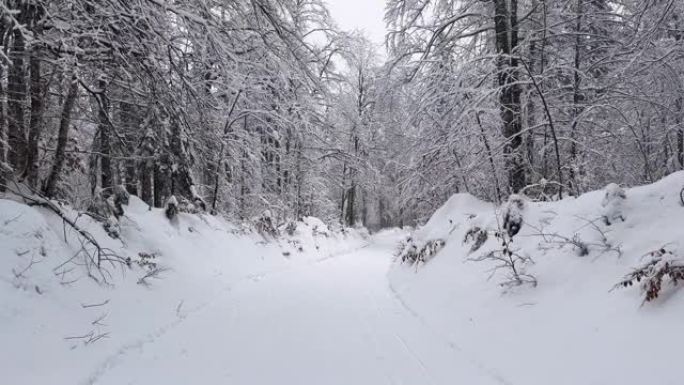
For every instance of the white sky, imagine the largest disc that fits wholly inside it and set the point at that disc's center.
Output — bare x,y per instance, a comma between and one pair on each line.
366,15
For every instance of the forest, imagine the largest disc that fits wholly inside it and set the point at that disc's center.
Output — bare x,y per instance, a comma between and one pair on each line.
259,192
265,107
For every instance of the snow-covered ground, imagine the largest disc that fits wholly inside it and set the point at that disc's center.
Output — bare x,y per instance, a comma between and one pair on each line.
320,307
572,328
332,322
59,326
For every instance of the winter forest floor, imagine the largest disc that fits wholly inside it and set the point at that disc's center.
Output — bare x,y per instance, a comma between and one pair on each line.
332,322
338,307
318,320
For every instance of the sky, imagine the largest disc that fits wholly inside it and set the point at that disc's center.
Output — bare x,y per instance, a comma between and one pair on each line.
366,15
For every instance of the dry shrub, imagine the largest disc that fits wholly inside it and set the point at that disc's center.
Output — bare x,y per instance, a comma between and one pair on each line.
663,265
411,253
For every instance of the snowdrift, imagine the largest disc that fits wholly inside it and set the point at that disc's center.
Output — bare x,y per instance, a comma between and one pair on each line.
573,327
54,315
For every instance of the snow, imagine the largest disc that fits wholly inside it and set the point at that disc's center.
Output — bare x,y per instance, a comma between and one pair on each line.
321,306
303,327
202,256
571,328
612,203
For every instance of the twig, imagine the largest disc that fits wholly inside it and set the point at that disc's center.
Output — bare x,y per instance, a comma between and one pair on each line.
98,320
21,273
89,335
85,306
153,273
8,221
178,308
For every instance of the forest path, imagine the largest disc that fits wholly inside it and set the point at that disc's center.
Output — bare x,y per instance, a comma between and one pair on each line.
333,322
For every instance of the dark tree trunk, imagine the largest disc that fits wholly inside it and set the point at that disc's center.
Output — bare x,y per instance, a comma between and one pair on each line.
300,212
129,118
162,181
344,194
531,111
364,207
506,28
3,114
104,126
576,99
36,118
146,172
680,133
219,168
146,181
679,103
62,138
16,101
131,177
350,213
182,178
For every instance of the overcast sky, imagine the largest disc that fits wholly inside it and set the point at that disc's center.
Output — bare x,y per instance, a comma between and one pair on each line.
366,15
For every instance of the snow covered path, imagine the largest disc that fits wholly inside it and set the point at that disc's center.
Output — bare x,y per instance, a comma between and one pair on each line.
333,322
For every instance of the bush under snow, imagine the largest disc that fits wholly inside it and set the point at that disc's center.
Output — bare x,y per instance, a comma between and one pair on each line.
572,317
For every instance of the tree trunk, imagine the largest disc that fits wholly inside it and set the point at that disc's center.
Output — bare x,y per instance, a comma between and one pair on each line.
679,103
62,138
104,126
344,194
576,99
36,118
350,214
364,207
492,165
3,114
680,133
162,166
146,172
182,181
162,179
299,179
531,111
16,101
129,118
145,176
506,28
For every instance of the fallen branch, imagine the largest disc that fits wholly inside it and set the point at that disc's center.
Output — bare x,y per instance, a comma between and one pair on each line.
100,254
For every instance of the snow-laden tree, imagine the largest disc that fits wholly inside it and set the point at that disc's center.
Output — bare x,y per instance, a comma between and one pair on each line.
547,98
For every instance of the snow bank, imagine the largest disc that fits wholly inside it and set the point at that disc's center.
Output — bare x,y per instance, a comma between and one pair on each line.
55,316
572,328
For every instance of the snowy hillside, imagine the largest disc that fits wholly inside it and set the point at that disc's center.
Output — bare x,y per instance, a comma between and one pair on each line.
55,316
562,322
206,302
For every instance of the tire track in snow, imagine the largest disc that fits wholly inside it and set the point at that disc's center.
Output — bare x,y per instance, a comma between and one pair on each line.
379,313
119,355
413,354
492,373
